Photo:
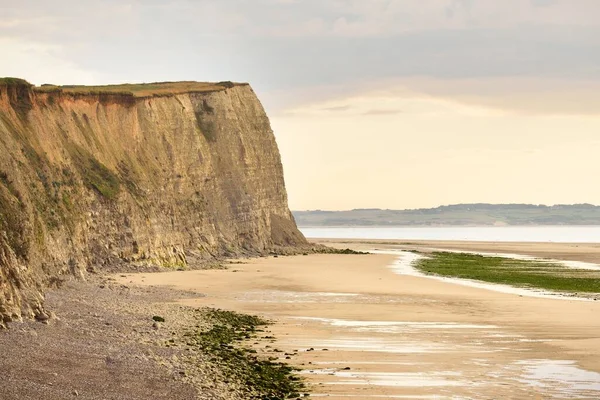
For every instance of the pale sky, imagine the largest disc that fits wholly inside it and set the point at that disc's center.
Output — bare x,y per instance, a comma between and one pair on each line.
374,103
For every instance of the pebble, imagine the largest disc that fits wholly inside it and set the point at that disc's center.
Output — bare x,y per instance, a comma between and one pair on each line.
41,317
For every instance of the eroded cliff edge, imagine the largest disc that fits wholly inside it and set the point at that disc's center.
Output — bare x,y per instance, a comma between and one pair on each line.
98,180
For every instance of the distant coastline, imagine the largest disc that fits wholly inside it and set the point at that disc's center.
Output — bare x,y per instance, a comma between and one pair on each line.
522,234
467,215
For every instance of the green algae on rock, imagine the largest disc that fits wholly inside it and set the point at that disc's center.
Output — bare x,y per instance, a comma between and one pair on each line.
223,340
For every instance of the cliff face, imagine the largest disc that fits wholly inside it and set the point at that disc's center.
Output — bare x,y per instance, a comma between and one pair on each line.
99,181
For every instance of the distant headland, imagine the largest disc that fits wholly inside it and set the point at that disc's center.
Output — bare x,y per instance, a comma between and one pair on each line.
479,214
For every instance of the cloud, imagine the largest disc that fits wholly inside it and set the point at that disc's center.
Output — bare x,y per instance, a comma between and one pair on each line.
382,111
458,6
543,3
424,95
389,101
307,18
337,108
515,95
40,64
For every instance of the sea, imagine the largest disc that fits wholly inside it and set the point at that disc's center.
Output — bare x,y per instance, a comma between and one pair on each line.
541,234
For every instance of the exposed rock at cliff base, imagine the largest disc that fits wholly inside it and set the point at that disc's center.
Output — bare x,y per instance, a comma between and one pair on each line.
106,178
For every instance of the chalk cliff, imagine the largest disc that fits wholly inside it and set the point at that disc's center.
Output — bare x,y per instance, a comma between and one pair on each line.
166,175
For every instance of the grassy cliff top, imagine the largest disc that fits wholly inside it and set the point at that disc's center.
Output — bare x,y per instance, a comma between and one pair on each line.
8,81
142,89
130,89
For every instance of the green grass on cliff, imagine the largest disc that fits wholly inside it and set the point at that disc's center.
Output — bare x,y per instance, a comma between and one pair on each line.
532,274
12,219
127,89
141,89
8,81
95,174
101,179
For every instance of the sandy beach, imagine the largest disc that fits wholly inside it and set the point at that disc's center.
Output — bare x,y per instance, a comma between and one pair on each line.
359,330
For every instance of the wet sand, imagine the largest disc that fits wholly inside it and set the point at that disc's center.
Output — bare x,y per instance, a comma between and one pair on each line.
358,330
585,252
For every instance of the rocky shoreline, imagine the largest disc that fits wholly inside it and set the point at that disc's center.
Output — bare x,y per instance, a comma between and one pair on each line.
105,340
